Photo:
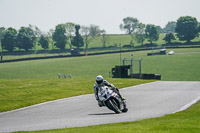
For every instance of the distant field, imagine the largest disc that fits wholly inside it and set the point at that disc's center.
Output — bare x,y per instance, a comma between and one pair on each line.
183,66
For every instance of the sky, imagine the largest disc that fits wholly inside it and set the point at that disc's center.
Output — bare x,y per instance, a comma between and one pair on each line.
107,14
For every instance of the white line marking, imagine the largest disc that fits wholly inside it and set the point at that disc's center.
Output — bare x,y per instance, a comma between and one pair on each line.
188,105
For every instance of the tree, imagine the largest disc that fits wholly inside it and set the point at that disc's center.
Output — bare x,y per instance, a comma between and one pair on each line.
25,38
129,24
105,38
169,37
2,32
77,41
37,32
151,33
187,28
9,39
170,27
140,34
85,31
44,42
160,29
70,30
49,35
94,30
59,36
89,33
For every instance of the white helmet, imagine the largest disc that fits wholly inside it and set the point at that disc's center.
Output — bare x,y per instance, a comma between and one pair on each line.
99,79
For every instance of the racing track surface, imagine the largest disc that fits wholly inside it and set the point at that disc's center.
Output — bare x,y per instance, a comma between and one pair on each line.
144,101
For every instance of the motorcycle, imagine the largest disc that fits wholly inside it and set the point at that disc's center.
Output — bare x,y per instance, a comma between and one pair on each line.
112,101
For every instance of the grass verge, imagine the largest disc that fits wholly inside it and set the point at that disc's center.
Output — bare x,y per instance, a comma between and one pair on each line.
18,93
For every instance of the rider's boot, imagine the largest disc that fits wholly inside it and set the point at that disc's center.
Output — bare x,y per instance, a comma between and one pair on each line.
117,91
123,98
100,103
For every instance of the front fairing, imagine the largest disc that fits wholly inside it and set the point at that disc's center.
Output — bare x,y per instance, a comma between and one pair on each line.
105,94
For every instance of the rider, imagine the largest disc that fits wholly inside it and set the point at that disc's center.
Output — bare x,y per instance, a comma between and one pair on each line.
101,82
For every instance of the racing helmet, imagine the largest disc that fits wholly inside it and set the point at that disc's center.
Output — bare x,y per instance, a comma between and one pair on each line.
99,79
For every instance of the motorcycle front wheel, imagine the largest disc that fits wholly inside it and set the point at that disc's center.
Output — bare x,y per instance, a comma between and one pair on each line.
113,104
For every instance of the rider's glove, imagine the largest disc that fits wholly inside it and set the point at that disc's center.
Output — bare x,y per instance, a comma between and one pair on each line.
113,87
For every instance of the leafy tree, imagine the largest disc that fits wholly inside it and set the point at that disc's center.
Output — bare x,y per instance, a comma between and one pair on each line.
140,34
59,36
187,28
170,27
94,30
77,40
49,35
70,30
44,42
105,38
85,31
2,32
9,39
25,38
199,28
129,24
169,37
151,33
89,33
160,29
37,32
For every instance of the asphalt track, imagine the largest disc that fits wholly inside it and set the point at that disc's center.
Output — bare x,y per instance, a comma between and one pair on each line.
144,101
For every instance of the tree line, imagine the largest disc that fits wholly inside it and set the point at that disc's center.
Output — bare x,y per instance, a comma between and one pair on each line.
186,28
69,33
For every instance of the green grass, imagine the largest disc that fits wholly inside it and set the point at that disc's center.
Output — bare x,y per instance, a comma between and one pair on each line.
17,93
183,66
187,121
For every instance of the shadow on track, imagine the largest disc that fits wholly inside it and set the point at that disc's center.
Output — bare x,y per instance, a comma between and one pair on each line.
103,114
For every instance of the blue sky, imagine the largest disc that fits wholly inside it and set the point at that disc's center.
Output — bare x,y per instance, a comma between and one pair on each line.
108,14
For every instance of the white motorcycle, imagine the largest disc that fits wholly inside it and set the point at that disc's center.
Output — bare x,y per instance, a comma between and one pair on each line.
111,99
